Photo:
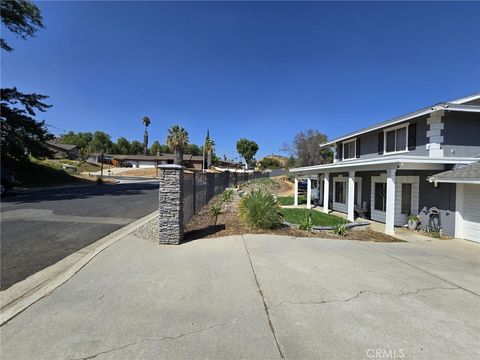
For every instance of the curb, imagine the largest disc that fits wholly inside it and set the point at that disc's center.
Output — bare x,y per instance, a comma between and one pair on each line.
25,293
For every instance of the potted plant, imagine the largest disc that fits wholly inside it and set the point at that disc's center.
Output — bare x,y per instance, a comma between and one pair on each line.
413,221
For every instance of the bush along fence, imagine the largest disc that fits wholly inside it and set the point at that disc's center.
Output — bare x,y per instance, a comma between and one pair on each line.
182,195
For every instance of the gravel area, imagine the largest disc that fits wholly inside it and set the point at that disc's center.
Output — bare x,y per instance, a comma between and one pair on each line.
149,231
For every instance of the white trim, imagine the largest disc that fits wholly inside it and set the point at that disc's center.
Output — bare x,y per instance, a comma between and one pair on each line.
466,99
454,181
343,149
395,128
400,161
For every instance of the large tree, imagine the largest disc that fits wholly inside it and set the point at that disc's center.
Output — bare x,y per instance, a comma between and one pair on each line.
247,149
123,146
21,17
136,148
209,148
102,143
146,123
177,139
81,139
21,134
306,148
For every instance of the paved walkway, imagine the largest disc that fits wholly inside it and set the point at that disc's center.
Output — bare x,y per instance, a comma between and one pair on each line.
260,297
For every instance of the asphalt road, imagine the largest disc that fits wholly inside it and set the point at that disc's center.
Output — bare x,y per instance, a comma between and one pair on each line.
41,228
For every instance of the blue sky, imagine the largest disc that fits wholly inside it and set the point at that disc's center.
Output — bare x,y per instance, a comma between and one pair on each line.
260,70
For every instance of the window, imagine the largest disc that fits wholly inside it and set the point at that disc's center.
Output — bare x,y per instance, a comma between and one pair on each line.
380,196
396,139
349,149
406,198
340,192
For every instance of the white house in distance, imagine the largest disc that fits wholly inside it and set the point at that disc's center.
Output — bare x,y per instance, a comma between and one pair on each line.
391,170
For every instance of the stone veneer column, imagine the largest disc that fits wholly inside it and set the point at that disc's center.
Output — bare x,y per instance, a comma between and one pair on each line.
170,209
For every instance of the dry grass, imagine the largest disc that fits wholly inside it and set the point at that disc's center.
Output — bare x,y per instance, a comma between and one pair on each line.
147,172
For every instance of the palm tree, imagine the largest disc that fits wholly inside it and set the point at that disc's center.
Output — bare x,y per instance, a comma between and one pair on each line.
146,122
209,148
176,140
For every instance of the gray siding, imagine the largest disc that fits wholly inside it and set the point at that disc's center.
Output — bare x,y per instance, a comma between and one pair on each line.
461,134
461,137
369,141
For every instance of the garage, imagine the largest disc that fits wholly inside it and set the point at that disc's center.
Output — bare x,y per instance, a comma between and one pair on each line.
471,212
467,202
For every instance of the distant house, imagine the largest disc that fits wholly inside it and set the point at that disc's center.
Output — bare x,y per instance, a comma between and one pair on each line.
226,165
63,151
145,161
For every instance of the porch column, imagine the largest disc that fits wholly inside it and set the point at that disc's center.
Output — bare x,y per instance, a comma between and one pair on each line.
351,195
295,194
319,189
326,192
390,206
309,193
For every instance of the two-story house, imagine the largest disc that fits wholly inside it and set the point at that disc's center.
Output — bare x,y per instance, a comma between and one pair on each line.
385,170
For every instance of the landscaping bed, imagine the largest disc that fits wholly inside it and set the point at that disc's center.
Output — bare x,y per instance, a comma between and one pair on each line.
228,222
209,223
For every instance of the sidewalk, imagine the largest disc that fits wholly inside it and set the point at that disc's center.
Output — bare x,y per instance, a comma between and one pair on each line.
258,297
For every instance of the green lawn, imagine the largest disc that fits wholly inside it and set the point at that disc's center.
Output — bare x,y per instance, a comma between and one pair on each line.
288,200
294,216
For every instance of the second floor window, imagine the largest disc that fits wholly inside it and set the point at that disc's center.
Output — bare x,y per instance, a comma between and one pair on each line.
396,139
349,149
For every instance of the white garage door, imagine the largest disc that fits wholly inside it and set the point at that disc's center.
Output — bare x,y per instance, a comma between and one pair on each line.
471,212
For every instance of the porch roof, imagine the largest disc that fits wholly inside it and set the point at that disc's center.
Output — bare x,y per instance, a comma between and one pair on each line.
396,161
468,174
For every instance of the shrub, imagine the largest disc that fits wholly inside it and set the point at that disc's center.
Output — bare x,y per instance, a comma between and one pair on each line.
227,195
259,209
340,229
99,181
306,223
215,210
413,218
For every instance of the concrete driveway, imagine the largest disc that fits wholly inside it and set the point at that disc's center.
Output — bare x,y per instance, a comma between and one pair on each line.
260,297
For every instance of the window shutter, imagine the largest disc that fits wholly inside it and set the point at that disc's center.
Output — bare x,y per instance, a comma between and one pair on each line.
340,151
380,143
412,136
357,150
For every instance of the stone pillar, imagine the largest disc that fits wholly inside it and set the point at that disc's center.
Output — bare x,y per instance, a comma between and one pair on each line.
170,209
